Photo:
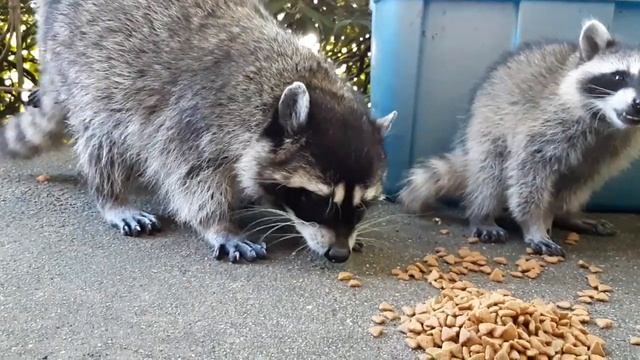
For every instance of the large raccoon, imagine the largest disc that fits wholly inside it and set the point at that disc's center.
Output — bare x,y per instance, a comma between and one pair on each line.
215,105
547,128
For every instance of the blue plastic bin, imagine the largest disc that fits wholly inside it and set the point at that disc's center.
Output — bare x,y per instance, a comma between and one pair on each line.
428,55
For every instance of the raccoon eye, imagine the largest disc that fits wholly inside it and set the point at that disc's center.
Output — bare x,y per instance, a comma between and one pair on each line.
619,76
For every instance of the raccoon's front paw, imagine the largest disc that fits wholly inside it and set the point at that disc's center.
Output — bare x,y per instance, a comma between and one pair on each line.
490,233
544,246
132,222
235,248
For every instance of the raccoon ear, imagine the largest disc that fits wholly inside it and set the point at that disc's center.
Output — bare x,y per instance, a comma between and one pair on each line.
594,38
384,123
293,109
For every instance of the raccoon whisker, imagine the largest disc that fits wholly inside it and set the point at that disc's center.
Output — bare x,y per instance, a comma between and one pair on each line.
298,249
279,240
265,219
377,220
272,230
601,89
276,225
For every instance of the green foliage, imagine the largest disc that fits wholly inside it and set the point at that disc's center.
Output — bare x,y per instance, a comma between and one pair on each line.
11,101
343,28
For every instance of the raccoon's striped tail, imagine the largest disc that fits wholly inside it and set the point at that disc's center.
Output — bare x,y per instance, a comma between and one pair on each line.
37,129
433,180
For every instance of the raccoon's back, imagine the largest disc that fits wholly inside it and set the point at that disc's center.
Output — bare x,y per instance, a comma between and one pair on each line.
525,83
124,54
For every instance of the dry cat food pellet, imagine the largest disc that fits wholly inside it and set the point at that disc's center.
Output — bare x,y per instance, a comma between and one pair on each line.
574,237
376,331
396,272
604,288
565,305
445,232
378,319
604,323
497,276
501,261
635,340
594,269
517,274
473,240
345,276
466,322
385,306
355,283
583,264
552,259
437,221
593,281
43,179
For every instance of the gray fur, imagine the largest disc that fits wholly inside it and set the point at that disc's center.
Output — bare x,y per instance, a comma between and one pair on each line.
534,143
178,94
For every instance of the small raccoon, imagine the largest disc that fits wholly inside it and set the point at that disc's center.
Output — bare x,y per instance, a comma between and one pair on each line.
547,128
213,104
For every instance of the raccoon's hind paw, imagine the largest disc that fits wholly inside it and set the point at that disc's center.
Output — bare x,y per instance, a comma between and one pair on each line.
490,233
236,248
586,226
132,222
544,246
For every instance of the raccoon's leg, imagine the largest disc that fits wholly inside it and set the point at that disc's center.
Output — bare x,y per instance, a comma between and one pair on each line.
485,193
570,203
204,198
108,175
581,225
530,180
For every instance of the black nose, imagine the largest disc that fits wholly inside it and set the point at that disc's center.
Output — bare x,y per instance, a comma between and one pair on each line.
635,104
337,255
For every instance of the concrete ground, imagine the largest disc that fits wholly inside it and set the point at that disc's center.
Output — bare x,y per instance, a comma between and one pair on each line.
72,288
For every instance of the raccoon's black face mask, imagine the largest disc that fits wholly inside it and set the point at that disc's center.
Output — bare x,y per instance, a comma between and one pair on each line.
326,165
608,79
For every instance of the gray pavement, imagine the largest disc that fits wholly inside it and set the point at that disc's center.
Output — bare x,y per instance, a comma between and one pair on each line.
72,288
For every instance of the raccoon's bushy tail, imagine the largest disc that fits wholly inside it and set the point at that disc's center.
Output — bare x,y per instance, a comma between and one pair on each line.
435,179
37,129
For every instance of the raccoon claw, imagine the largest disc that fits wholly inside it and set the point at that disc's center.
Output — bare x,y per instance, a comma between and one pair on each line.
545,247
134,222
490,234
235,250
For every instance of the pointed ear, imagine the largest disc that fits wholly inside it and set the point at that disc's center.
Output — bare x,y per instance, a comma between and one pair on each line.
384,123
293,109
594,39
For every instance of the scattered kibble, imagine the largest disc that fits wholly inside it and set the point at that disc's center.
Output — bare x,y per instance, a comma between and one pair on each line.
604,323
635,340
445,232
473,240
43,179
376,331
345,276
594,269
354,283
497,276
575,237
501,261
564,305
471,323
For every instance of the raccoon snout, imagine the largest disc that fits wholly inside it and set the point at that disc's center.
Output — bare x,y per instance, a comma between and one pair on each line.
635,105
337,254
